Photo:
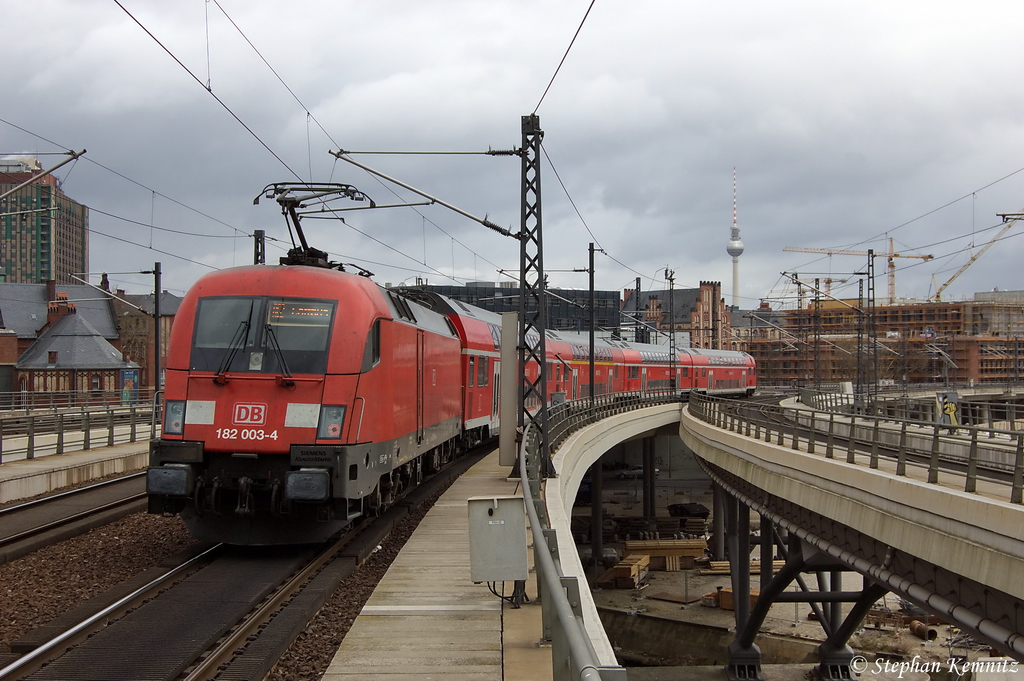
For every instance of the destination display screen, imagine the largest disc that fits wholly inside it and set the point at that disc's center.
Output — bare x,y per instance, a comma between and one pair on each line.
305,313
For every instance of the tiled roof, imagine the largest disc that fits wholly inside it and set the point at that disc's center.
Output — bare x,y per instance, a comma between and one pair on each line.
78,345
24,308
169,303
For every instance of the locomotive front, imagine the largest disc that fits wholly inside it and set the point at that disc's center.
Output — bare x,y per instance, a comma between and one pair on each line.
263,366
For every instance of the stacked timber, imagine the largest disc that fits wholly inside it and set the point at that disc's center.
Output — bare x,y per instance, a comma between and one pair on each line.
628,573
671,555
727,602
721,567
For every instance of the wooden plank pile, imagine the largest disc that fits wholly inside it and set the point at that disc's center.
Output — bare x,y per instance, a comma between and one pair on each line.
670,555
727,602
721,567
629,573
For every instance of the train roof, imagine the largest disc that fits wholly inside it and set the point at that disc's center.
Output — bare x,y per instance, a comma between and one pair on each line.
446,305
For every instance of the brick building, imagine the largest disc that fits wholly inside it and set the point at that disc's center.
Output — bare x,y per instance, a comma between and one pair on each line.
968,342
700,317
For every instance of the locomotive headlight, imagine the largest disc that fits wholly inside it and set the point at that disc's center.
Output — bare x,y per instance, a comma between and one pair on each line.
174,417
331,418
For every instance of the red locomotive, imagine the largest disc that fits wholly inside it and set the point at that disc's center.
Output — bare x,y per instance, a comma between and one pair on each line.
300,397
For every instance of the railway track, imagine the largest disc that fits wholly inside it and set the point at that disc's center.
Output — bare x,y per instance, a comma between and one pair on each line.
34,524
229,613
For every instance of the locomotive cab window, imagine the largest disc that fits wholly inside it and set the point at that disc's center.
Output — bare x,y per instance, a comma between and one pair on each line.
262,335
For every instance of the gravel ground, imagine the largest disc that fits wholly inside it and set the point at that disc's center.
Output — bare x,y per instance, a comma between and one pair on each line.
38,587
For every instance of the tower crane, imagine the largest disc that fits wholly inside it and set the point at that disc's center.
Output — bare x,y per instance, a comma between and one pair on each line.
891,255
1012,221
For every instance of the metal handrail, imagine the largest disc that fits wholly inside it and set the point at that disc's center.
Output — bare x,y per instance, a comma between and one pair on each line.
569,637
974,451
27,401
33,427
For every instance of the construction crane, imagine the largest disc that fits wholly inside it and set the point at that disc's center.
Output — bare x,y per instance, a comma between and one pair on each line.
937,298
891,255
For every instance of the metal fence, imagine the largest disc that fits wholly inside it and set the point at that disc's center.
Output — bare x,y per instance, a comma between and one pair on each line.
572,654
73,399
59,430
972,452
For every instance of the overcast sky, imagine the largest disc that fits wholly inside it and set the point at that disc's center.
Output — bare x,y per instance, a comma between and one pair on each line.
848,123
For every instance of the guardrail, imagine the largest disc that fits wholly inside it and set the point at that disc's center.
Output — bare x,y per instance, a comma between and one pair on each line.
61,399
973,451
923,407
57,431
572,654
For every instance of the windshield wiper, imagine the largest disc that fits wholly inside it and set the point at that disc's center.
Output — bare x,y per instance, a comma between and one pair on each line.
286,375
236,344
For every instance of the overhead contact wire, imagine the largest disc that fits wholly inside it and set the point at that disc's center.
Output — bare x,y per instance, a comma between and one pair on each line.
209,90
559,68
310,116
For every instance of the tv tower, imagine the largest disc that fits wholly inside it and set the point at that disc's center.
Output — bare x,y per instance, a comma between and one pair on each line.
735,248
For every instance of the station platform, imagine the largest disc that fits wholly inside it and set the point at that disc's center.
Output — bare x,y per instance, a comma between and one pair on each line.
22,478
427,619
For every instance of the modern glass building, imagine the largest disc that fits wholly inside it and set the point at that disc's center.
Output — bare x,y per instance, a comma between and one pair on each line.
44,235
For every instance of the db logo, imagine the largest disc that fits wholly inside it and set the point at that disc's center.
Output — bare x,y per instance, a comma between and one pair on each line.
249,414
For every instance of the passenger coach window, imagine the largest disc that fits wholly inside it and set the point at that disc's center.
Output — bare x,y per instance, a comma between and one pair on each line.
472,371
481,376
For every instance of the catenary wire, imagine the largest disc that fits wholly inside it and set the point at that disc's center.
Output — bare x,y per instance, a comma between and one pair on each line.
124,177
333,141
166,229
945,205
150,248
559,67
209,90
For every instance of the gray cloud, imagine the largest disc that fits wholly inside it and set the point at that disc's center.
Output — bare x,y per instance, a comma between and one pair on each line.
845,121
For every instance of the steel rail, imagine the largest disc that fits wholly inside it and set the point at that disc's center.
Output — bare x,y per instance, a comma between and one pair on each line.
227,648
15,538
42,501
31,662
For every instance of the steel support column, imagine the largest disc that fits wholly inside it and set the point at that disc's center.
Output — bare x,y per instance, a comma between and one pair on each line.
718,495
648,480
767,551
744,656
533,399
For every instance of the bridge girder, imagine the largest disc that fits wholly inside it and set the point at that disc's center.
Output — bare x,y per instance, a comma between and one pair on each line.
989,615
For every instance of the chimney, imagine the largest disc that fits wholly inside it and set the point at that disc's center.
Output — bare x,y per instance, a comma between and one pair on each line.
58,306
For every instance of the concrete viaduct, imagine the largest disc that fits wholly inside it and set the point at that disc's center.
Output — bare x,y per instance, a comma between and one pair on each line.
951,542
